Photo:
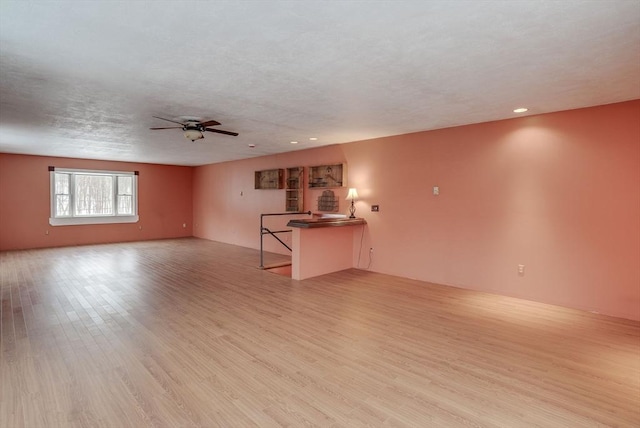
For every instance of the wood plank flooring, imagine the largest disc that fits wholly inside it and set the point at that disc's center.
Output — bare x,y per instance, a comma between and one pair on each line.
188,332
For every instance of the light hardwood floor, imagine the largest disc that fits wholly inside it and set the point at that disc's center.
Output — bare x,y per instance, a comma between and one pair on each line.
189,332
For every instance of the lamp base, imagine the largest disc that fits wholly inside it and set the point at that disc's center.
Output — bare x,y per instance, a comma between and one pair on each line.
352,210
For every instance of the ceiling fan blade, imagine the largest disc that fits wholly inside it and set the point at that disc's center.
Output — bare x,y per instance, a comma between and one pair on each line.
209,123
170,127
220,131
168,120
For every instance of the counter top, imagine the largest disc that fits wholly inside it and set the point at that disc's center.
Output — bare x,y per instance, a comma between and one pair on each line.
325,222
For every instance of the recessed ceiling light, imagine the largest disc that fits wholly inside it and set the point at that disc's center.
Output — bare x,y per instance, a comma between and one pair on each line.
294,142
520,110
313,139
252,145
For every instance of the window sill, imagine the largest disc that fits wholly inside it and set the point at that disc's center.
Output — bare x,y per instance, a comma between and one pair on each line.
93,220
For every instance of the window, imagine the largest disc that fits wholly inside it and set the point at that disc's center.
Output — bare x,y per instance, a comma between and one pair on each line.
93,197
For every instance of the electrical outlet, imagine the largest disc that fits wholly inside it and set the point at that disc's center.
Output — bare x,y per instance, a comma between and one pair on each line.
184,225
371,250
521,270
436,190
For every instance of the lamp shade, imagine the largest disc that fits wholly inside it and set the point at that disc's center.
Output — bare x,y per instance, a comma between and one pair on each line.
353,194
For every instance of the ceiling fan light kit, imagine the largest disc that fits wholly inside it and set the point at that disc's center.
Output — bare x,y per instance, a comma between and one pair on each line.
193,134
193,128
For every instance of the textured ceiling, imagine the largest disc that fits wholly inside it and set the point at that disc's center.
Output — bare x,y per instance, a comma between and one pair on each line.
84,78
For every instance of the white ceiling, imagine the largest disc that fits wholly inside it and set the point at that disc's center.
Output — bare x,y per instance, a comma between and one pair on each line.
84,78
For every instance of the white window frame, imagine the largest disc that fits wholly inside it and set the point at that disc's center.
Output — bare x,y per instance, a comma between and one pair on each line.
105,219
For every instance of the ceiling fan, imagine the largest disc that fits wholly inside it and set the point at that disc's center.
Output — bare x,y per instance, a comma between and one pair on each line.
193,127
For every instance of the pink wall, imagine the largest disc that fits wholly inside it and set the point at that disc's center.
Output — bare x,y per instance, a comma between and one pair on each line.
323,250
164,204
558,193
227,208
